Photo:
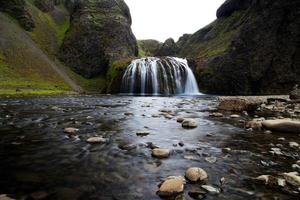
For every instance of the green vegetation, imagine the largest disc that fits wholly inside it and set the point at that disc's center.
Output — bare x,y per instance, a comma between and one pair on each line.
49,33
213,39
141,50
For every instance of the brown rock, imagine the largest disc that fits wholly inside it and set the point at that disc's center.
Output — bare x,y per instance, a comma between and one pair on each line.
172,186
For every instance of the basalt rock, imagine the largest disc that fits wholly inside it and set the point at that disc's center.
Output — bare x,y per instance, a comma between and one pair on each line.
252,48
169,48
18,10
100,33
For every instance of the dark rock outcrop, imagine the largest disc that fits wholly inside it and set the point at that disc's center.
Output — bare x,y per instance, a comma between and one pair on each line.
295,93
18,10
100,33
248,51
231,6
169,48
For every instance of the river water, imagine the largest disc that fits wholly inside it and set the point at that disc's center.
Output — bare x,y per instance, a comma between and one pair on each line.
36,155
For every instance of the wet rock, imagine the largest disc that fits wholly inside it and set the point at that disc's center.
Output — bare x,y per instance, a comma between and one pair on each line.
296,167
293,144
211,159
161,153
165,110
254,124
271,180
292,178
128,114
295,94
211,189
189,123
215,114
155,116
276,151
5,197
281,139
172,186
235,116
167,116
226,150
195,174
181,143
282,125
197,193
94,140
142,133
127,147
39,195
152,145
180,119
239,103
71,130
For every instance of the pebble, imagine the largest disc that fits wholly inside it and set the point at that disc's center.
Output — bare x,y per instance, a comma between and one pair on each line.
281,139
5,197
71,130
195,174
211,159
292,178
96,140
142,133
226,150
161,153
127,147
189,123
235,116
172,186
211,189
216,115
293,144
180,119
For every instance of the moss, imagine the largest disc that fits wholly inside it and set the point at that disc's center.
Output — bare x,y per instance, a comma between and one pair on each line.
214,38
115,72
141,51
29,92
23,67
49,33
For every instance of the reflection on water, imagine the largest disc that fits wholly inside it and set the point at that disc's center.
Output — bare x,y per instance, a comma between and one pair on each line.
36,155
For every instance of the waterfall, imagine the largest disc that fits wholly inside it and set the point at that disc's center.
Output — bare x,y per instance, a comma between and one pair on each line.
159,76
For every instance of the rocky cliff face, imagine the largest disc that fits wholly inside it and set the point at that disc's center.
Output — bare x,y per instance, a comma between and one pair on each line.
252,48
18,10
100,33
168,48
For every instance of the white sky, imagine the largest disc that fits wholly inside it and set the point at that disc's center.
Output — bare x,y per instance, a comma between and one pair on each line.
162,19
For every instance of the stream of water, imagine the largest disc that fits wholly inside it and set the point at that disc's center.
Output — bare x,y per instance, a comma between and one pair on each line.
36,155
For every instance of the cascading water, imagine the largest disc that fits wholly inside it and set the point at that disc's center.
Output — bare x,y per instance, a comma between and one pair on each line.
159,76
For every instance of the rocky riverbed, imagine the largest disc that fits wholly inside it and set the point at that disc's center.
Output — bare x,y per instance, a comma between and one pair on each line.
118,147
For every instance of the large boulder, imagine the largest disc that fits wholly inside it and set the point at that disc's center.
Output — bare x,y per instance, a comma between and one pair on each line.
240,103
100,33
282,125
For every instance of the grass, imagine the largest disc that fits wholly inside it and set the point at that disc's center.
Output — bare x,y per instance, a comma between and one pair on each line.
142,53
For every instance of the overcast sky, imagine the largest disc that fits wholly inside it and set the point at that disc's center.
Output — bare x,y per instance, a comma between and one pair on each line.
161,19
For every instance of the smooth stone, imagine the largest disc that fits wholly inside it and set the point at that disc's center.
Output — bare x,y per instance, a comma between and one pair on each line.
5,197
293,144
271,180
211,159
165,110
235,116
128,114
282,125
127,147
281,139
254,124
71,130
216,115
189,123
268,132
180,119
211,189
96,140
226,150
168,116
292,178
296,167
142,133
172,186
195,174
161,153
